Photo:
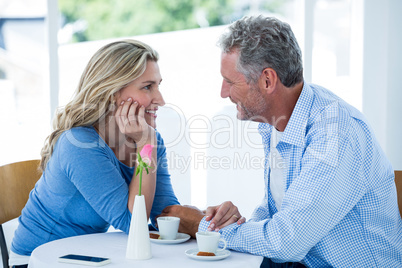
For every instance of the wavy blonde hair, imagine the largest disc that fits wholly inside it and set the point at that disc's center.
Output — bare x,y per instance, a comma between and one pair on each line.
110,69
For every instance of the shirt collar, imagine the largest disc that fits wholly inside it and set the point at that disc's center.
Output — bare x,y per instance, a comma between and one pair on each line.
295,130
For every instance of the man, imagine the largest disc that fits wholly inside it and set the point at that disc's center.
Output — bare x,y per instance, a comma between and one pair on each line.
330,197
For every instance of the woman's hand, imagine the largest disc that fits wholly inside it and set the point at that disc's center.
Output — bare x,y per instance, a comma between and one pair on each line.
223,215
131,122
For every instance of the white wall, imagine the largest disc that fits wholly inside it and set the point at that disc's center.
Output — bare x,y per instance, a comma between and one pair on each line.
382,87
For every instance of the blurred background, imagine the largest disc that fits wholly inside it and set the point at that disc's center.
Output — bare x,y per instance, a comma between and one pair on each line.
351,47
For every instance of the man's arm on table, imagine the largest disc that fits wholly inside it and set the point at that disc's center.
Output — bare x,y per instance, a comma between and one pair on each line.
217,216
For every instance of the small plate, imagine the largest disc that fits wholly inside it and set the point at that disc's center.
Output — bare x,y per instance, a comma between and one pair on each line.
192,253
179,239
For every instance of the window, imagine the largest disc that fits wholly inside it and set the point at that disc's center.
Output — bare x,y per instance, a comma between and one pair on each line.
212,156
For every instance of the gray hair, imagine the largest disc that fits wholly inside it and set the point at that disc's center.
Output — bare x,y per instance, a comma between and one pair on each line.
264,42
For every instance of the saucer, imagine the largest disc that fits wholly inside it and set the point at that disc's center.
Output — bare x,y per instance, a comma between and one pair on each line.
192,253
179,239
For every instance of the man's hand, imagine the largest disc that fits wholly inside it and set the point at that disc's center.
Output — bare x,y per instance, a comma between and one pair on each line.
223,215
190,217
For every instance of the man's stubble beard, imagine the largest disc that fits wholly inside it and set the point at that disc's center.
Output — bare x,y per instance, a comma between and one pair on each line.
254,106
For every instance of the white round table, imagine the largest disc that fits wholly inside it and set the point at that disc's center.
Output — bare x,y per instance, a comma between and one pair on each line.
113,245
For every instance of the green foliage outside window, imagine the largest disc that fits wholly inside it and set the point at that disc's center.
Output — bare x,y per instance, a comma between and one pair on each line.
103,19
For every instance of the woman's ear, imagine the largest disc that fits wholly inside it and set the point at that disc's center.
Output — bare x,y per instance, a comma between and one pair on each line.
268,80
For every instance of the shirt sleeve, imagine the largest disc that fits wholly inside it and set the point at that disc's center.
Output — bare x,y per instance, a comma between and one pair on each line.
203,226
164,193
262,211
329,185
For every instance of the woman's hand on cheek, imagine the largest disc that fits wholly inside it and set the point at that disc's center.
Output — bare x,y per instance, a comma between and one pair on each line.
131,122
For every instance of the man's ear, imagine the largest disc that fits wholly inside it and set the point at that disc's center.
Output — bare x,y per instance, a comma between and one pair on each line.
268,80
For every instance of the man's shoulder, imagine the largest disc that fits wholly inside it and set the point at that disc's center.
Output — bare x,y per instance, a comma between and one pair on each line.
331,114
327,105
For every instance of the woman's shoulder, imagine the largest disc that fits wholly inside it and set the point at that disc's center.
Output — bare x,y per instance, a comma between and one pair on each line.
158,136
81,137
159,140
80,132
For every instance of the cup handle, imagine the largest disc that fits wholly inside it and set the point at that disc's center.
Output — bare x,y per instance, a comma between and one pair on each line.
224,242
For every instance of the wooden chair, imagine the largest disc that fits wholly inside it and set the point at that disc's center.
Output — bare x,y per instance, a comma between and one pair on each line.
16,181
398,182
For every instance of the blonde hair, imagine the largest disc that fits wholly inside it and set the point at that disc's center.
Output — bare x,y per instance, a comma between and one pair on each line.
110,69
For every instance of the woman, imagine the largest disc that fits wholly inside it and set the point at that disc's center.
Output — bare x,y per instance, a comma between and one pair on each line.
88,161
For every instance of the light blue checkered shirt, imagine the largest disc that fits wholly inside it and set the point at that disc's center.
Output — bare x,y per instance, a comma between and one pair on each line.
340,204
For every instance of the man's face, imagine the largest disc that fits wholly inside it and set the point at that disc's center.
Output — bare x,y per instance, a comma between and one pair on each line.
248,98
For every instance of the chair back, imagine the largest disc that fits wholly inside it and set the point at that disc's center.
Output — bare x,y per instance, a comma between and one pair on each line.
398,182
16,182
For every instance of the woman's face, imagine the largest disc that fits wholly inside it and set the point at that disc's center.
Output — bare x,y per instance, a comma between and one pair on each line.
145,91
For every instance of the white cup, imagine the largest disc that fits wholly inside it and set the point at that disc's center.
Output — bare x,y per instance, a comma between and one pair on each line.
168,227
209,242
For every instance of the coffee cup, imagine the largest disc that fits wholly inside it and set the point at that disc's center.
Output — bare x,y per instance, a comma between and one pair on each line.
168,227
209,242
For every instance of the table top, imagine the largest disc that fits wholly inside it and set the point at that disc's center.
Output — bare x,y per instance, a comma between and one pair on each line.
113,245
